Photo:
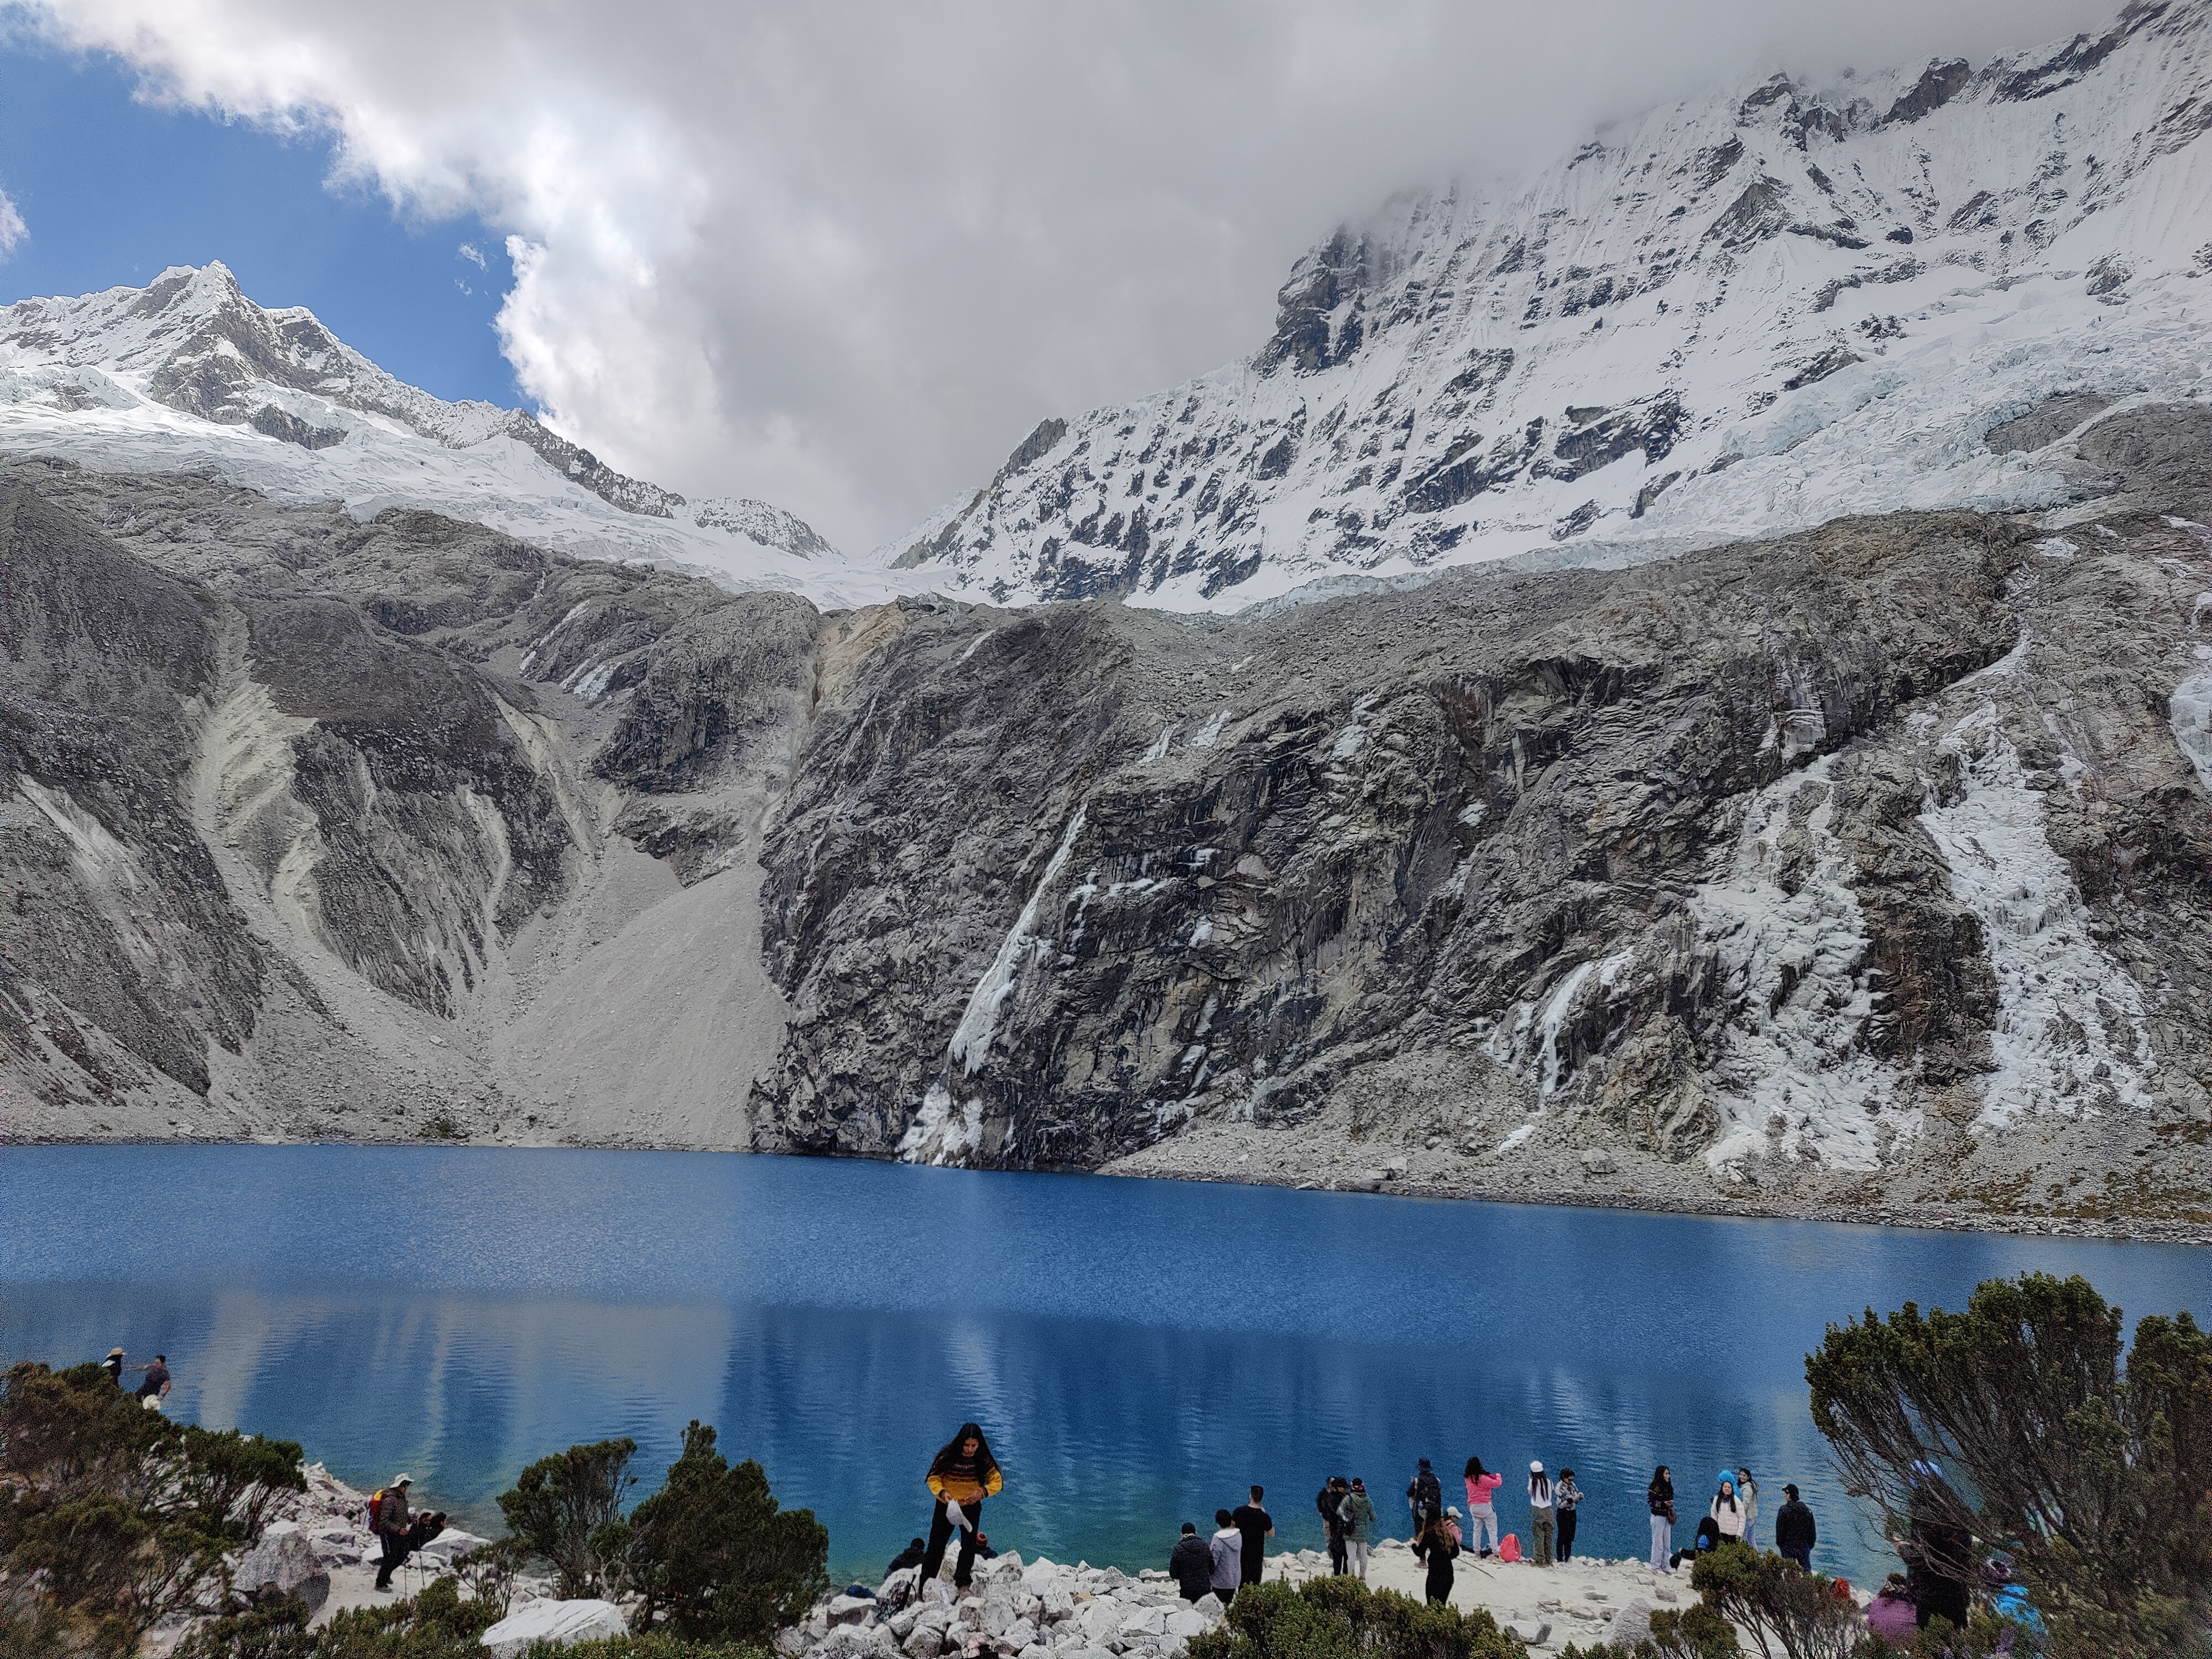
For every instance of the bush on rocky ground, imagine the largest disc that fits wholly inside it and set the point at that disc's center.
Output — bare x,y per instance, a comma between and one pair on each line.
2015,1425
1694,1632
112,1517
562,1508
1338,1618
1787,1611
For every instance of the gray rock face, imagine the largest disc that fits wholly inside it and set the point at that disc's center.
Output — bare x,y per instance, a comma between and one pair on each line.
1858,869
284,1564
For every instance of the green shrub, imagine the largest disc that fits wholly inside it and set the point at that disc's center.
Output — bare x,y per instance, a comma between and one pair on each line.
713,1553
2094,1476
1339,1617
1785,1607
559,1505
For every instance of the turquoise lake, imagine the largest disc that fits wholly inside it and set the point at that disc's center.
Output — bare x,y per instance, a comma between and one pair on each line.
1139,1352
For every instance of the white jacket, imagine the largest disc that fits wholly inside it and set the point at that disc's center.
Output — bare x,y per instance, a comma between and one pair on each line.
1731,1520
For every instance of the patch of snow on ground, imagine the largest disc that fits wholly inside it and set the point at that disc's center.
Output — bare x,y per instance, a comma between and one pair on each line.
2070,1033
1794,1076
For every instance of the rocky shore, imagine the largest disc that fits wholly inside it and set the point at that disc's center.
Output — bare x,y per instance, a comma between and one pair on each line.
1040,1609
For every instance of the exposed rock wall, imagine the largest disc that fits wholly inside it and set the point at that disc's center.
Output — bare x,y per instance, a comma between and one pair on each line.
1865,868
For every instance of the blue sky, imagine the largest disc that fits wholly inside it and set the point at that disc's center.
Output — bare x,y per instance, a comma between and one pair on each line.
113,191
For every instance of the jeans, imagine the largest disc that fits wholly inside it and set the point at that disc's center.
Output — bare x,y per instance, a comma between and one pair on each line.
1479,1522
1662,1540
1355,1552
1540,1524
941,1535
1567,1520
1800,1554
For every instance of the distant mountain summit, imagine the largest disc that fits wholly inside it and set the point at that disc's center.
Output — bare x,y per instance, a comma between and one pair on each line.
188,372
1737,316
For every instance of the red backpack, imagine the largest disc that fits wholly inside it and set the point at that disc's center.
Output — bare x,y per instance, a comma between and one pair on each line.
376,1512
1509,1548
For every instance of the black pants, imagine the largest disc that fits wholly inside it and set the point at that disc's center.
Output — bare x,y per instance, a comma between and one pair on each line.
1800,1554
1439,1585
1566,1535
1335,1552
941,1535
398,1547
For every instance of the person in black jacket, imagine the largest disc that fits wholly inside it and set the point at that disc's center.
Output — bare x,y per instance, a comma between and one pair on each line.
909,1557
1190,1563
1794,1534
1435,1545
1326,1501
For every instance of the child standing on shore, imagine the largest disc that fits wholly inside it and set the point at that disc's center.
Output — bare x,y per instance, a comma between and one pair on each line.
1481,1509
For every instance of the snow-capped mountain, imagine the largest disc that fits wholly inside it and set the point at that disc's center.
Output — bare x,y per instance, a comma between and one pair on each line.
1733,317
189,373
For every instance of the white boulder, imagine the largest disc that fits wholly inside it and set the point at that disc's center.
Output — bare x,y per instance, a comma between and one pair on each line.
1632,1624
451,1543
564,1624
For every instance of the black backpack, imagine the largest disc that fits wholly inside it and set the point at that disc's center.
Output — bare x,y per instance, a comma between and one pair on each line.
1429,1492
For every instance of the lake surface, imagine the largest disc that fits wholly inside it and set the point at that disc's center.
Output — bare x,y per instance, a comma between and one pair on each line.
1139,1352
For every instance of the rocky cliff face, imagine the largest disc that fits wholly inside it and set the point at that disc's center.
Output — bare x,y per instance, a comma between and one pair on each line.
1863,868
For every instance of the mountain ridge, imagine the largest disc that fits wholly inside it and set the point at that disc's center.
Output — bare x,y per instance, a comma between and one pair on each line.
215,372
1735,316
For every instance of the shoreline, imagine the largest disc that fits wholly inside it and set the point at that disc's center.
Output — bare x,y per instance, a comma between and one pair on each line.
1924,1218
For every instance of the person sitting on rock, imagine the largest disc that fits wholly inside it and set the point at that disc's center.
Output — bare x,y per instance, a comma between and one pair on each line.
961,1477
1190,1563
909,1557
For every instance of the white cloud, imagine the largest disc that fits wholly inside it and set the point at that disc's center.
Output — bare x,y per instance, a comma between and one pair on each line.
13,230
844,256
474,255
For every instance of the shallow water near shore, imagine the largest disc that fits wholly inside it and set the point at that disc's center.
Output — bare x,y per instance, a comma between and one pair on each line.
1137,1351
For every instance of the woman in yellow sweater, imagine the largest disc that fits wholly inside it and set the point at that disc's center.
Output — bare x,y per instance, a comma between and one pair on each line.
961,1477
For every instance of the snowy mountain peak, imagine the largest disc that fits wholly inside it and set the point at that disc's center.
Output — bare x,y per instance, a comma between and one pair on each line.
188,371
1776,305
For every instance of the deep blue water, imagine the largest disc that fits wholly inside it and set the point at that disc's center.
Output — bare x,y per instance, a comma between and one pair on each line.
1139,1352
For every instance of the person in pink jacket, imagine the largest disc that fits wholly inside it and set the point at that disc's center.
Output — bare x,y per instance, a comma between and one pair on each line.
1481,1511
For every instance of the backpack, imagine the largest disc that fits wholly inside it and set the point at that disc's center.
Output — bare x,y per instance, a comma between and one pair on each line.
376,1512
1509,1548
1428,1493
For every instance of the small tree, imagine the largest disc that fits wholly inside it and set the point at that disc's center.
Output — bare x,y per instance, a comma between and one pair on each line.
713,1552
1781,1606
559,1504
229,1482
2015,1423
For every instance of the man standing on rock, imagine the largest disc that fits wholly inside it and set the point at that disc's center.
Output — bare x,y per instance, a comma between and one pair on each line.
391,1527
1258,1526
1228,1547
156,1383
1190,1563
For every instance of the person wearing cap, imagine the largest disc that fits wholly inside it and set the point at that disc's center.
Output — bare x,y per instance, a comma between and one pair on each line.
1794,1534
1539,1512
393,1522
114,1366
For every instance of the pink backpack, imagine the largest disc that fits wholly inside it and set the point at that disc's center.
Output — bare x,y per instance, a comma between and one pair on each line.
1509,1548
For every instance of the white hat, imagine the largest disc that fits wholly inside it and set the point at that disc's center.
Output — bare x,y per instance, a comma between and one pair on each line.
401,1479
1452,1513
1535,1469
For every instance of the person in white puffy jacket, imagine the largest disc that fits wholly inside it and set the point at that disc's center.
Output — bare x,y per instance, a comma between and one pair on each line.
1729,1513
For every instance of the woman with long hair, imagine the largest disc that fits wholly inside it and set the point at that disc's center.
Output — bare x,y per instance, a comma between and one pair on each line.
1539,1512
1729,1517
1435,1545
1660,1494
961,1477
1481,1509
